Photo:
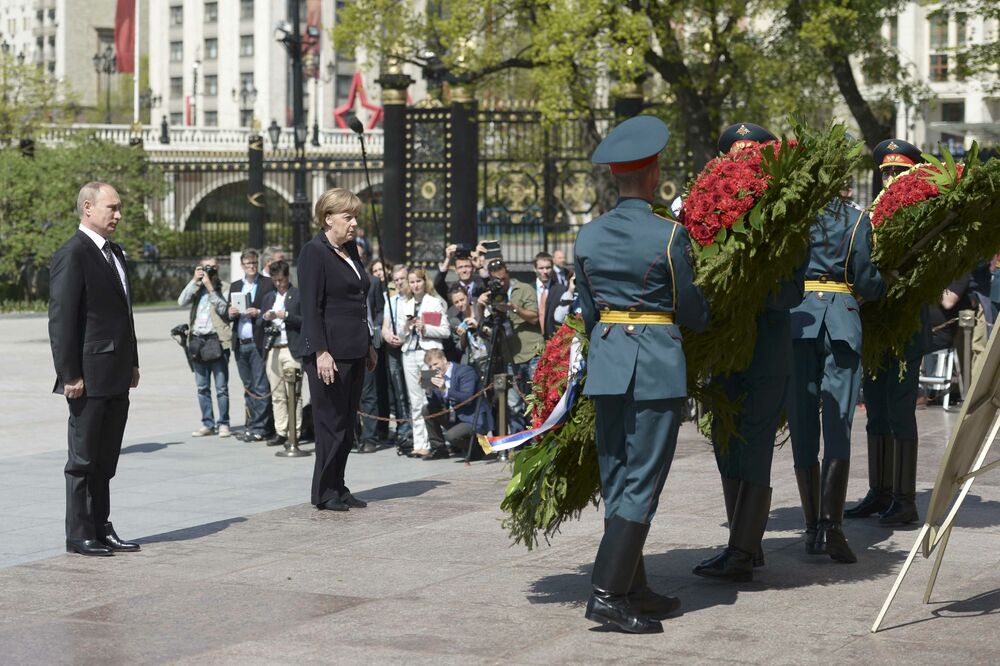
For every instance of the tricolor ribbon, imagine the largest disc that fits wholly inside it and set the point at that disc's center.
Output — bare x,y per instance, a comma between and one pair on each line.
559,413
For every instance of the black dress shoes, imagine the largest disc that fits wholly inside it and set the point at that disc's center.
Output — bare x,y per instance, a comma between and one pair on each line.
656,606
369,447
109,538
352,501
277,440
617,610
87,547
333,504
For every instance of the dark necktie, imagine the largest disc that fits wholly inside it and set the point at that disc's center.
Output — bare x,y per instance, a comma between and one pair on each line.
111,262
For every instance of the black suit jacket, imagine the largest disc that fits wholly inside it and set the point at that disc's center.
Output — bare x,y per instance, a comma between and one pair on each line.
334,301
293,322
91,330
442,287
556,292
376,305
264,287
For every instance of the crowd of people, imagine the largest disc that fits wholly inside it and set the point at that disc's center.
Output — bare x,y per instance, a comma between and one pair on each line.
435,342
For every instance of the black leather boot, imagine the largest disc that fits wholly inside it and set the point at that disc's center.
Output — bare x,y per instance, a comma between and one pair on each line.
87,547
648,602
903,510
831,512
809,491
735,563
614,573
879,495
106,535
730,490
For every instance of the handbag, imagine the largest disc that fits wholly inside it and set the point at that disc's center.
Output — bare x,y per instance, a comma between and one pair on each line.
204,348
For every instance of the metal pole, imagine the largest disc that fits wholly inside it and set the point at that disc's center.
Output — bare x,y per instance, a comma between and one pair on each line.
500,388
967,322
292,449
300,202
107,96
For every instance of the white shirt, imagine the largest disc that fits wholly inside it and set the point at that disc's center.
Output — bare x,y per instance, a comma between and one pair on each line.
245,326
100,240
279,304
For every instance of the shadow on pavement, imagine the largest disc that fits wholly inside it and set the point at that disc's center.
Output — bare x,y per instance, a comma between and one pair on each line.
400,490
985,603
147,447
189,533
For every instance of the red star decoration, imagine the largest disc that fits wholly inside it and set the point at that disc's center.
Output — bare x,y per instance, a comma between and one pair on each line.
358,89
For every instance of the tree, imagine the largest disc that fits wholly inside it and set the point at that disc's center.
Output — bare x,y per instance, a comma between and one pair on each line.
29,98
38,202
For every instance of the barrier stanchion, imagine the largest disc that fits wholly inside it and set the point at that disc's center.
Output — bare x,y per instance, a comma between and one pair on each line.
500,390
966,322
292,449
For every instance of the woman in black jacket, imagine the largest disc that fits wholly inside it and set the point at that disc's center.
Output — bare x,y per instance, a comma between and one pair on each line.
337,334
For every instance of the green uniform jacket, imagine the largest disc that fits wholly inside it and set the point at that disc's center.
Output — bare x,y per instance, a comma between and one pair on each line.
631,259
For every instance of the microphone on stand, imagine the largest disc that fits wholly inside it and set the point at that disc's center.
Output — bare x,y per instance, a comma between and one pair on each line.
359,129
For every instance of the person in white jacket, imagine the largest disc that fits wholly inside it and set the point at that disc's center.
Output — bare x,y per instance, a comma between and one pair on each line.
424,326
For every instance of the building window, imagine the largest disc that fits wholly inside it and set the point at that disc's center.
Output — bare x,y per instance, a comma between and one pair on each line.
961,29
939,67
211,85
176,51
177,15
246,45
52,14
211,119
343,91
939,31
953,112
211,12
246,9
176,87
52,42
246,81
177,118
246,117
52,67
211,48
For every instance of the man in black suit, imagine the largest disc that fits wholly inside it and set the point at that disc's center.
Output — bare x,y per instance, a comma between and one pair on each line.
96,360
248,345
282,308
554,298
453,384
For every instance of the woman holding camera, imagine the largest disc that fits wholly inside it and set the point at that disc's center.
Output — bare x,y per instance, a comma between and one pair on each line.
425,327
209,342
336,344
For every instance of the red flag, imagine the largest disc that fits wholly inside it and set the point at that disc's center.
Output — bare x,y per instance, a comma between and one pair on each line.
125,35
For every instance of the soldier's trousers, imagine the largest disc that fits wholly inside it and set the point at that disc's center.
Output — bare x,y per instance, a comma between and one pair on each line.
748,456
827,371
891,403
636,440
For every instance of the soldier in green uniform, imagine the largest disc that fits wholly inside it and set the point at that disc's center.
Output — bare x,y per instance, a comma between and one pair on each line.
890,401
761,389
826,352
635,280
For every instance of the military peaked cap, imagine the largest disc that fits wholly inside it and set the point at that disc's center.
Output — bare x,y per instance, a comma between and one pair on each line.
896,153
632,145
741,135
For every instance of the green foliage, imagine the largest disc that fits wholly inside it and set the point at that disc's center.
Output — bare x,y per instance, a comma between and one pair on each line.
29,98
38,201
926,246
557,477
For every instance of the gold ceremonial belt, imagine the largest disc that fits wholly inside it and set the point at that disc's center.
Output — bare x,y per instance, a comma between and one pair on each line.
820,285
629,317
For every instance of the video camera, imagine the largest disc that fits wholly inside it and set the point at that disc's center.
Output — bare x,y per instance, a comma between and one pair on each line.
271,334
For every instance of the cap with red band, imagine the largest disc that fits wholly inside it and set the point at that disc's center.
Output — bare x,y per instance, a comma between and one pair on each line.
632,145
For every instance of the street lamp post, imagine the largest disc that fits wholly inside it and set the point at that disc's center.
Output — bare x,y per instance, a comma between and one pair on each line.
246,97
290,34
105,63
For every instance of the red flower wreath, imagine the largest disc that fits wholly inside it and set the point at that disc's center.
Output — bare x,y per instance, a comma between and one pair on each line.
725,190
551,373
908,189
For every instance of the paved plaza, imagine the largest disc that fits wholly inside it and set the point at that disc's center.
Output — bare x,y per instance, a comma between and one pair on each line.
237,567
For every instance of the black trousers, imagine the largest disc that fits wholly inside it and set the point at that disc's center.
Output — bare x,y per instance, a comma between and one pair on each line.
440,431
375,400
96,427
335,411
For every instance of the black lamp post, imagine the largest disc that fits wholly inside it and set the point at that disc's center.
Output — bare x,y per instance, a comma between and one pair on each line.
289,33
106,63
274,132
246,97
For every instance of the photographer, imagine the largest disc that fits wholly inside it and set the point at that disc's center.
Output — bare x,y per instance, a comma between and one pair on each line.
465,321
515,300
209,344
281,324
464,267
451,385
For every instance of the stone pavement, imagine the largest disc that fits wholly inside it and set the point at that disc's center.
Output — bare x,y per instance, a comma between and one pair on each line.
236,568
